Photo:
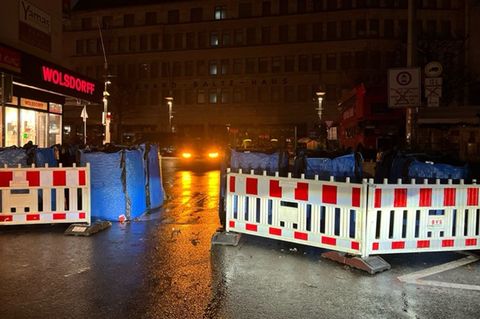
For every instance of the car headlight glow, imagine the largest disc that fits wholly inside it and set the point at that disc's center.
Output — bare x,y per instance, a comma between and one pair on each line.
213,154
186,155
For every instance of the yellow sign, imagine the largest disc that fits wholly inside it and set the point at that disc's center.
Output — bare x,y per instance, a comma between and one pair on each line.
33,104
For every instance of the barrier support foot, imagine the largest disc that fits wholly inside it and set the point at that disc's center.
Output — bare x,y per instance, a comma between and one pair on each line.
87,230
222,237
371,264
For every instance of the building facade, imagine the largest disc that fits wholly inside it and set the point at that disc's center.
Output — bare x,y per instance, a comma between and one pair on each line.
242,65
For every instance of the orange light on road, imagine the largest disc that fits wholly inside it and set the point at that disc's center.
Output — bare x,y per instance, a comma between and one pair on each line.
213,155
186,155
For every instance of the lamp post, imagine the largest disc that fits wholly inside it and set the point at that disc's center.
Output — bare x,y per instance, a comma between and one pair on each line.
320,96
169,100
106,114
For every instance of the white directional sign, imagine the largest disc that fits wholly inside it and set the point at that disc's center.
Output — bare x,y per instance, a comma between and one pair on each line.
404,87
433,91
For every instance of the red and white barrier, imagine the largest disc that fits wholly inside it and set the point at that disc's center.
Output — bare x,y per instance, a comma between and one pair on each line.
45,195
310,212
356,218
422,217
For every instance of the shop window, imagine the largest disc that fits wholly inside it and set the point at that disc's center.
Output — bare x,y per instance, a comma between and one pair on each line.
33,127
220,13
11,127
173,16
266,8
54,129
150,18
196,14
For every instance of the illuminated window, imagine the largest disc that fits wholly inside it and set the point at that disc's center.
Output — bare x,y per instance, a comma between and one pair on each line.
212,96
220,13
214,39
200,96
11,129
213,69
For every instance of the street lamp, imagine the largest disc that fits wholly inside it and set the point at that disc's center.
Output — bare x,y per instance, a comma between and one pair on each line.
320,95
169,100
106,114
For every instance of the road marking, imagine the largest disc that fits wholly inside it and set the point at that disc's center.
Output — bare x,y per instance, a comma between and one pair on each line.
415,277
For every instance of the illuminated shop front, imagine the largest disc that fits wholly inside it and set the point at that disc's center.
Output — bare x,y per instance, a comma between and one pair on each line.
33,105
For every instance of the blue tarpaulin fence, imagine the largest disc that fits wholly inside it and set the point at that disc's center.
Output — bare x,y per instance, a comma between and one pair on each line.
342,166
258,161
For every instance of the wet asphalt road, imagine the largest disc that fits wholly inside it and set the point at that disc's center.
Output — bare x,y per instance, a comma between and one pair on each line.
163,267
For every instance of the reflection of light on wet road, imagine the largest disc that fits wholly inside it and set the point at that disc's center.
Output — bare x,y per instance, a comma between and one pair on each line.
213,187
186,186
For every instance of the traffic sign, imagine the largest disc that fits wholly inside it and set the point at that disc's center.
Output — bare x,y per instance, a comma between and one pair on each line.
404,87
433,69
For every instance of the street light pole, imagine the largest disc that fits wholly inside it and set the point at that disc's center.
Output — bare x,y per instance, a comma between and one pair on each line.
169,100
411,42
106,115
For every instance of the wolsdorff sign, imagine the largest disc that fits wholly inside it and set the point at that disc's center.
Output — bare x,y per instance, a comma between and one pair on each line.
66,80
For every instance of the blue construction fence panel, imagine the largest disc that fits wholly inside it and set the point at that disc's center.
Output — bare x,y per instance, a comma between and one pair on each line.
258,161
12,156
157,193
342,166
45,156
135,183
418,169
108,199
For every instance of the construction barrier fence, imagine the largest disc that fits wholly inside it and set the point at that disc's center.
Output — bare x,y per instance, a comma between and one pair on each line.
356,218
44,195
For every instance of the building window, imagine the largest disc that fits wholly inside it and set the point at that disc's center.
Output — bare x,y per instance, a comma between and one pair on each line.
276,93
266,8
250,95
331,92
79,47
132,43
331,4
214,39
213,68
177,69
301,6
332,30
374,28
128,20
132,71
225,95
345,61
196,14
188,68
220,13
301,32
346,31
346,4
263,94
201,96
212,96
375,59
237,66
178,41
154,70
122,44
276,64
173,16
263,65
361,28
331,62
283,33
266,38
167,41
429,4
154,41
201,68
303,62
360,59
402,27
87,23
289,93
189,99
226,40
202,40
303,93
107,22
143,42
143,71
250,65
154,97
237,95
244,9
166,70
316,62
317,5
388,28
283,7
446,4
251,36
289,64
150,18
363,3
317,32
225,66
190,41
239,37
